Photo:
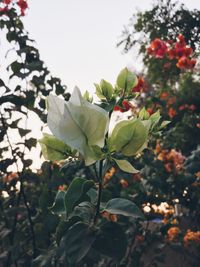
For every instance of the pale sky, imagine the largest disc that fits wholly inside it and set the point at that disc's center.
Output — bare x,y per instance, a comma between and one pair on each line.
77,38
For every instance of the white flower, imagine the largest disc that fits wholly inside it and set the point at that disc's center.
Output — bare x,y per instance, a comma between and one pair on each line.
78,123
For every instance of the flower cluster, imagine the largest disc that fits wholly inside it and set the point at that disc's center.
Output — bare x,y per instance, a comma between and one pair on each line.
125,106
108,216
178,51
190,237
10,177
191,107
140,87
22,4
157,48
173,233
173,160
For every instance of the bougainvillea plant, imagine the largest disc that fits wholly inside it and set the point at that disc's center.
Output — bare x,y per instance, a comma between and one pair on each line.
81,132
178,51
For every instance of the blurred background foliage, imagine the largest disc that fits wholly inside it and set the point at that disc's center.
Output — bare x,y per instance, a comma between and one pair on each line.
167,188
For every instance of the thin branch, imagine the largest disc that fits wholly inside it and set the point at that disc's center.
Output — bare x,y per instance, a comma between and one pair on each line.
99,191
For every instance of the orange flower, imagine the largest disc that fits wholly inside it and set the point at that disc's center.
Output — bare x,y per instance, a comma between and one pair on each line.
108,216
139,238
158,48
172,113
191,236
171,100
171,53
123,183
197,174
62,188
164,95
186,63
109,174
10,177
173,233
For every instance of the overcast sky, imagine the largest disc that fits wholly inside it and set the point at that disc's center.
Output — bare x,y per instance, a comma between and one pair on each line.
77,38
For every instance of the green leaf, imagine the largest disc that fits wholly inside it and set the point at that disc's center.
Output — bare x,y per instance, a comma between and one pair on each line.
54,149
164,124
98,91
155,118
63,227
86,211
87,97
124,207
58,206
143,114
128,137
76,192
126,80
106,89
77,241
44,260
125,166
111,241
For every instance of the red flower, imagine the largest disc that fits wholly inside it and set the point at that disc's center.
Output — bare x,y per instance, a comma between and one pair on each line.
171,113
23,6
125,106
181,38
188,51
192,107
186,63
4,9
164,95
158,48
171,53
118,108
182,107
140,85
150,111
7,2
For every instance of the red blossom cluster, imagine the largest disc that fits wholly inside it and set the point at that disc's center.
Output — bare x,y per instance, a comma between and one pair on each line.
170,100
157,48
173,233
140,87
191,237
22,4
126,106
173,50
191,107
172,159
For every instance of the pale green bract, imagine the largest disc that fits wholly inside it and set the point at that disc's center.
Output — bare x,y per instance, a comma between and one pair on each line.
125,166
129,137
78,123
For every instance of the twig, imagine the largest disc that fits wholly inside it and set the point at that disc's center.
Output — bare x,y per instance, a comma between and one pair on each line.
99,191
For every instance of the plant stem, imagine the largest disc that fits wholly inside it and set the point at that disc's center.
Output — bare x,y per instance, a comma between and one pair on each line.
99,191
29,219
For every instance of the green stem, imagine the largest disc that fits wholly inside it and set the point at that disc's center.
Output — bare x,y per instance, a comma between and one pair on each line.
99,191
